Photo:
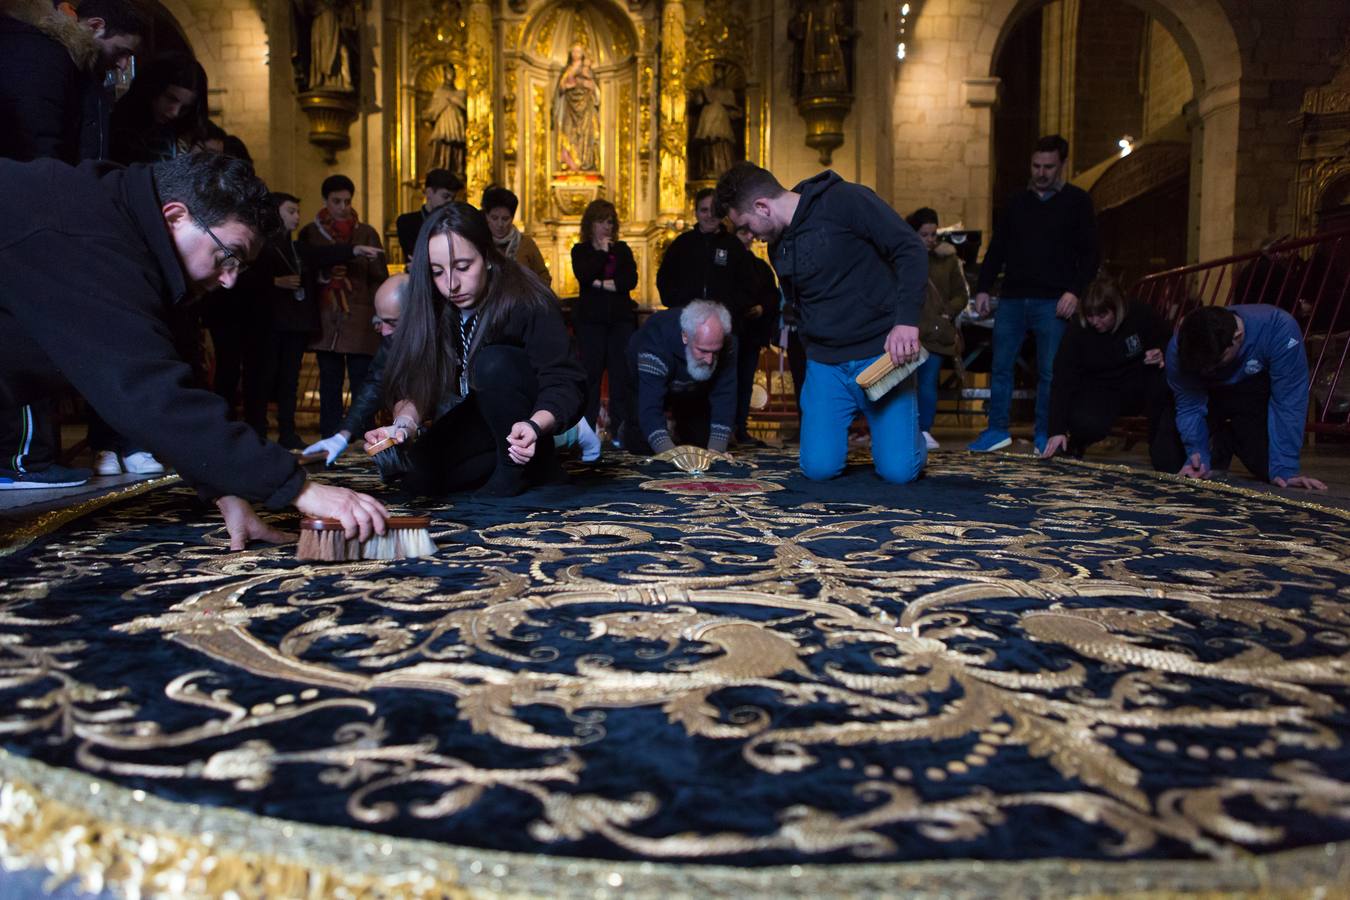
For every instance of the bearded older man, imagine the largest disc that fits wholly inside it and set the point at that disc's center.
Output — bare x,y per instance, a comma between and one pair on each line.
682,361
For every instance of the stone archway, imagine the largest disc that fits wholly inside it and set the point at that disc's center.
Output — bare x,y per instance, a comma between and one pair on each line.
942,109
1201,28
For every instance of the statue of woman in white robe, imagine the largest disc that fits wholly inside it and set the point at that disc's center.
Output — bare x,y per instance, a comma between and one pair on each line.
576,115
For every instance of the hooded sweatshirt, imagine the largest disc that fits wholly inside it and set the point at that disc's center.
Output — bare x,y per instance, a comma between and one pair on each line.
852,268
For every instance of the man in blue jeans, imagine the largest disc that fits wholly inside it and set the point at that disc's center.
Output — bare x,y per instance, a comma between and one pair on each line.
1045,244
855,274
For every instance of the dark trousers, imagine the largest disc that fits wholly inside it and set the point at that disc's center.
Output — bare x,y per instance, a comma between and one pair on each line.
691,426
1097,405
747,363
102,437
28,437
275,373
1237,427
603,347
330,385
230,339
466,448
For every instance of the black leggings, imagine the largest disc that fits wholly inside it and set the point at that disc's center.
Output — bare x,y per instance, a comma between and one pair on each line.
1096,407
466,448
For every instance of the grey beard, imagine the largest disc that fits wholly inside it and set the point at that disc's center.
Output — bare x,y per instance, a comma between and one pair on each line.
697,370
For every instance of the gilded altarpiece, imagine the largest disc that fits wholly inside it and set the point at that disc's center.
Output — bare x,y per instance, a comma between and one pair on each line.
567,101
1324,153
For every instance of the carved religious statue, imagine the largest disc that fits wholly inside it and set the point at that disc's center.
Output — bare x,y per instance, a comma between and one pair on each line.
715,135
446,114
576,114
820,29
334,29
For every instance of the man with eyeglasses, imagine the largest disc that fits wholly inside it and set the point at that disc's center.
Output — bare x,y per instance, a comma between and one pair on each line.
92,262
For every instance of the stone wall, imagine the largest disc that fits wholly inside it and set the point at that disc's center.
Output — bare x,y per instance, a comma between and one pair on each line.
1108,103
1167,80
229,40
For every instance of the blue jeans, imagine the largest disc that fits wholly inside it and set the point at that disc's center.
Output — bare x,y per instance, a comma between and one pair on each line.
926,383
830,400
1012,320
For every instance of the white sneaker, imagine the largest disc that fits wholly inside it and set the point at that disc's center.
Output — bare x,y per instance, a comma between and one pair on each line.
142,463
106,463
588,441
930,441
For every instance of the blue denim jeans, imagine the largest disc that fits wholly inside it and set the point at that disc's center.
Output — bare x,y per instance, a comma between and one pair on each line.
830,400
926,383
1012,320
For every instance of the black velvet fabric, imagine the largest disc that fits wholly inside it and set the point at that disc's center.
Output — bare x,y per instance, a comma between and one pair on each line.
1006,660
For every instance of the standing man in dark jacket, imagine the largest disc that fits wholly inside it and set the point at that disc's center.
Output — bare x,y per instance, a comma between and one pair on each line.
705,263
53,104
605,315
440,188
146,239
52,68
1045,242
855,272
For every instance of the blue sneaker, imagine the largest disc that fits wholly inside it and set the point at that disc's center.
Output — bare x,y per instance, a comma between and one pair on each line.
54,476
990,440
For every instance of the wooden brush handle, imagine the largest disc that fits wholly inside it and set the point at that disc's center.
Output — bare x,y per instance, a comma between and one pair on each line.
380,446
312,524
306,459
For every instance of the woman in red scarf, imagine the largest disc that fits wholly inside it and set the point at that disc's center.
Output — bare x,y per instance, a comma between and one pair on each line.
346,299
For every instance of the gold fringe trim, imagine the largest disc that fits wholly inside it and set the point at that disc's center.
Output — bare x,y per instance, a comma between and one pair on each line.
108,837
1222,486
20,536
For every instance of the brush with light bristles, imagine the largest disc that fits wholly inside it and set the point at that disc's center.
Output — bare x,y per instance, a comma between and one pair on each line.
877,379
405,537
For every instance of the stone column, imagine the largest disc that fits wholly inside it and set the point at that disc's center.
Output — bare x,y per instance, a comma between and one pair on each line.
1220,118
478,83
671,143
1059,64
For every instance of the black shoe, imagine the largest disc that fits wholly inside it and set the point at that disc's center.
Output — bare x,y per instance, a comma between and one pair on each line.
54,476
745,439
292,441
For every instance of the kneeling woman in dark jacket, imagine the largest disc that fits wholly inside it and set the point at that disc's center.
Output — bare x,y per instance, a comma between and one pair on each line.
481,353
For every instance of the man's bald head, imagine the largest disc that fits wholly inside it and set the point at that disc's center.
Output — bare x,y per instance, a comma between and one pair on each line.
389,304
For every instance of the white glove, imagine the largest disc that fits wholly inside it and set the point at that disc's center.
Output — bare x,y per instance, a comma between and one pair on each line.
333,446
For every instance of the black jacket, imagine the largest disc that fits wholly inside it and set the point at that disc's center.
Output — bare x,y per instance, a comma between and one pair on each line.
89,276
542,334
278,308
596,304
370,399
49,65
408,226
851,267
657,368
762,330
699,266
1103,363
1044,247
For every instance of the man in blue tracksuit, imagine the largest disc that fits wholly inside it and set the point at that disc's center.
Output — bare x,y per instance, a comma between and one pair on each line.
854,273
1240,376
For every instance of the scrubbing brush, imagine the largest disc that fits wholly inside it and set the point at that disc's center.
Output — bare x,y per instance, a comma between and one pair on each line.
405,537
877,379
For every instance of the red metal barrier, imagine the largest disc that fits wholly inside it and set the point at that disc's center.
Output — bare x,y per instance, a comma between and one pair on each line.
1309,278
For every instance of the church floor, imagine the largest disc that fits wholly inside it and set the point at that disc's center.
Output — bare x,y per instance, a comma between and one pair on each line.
1011,678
